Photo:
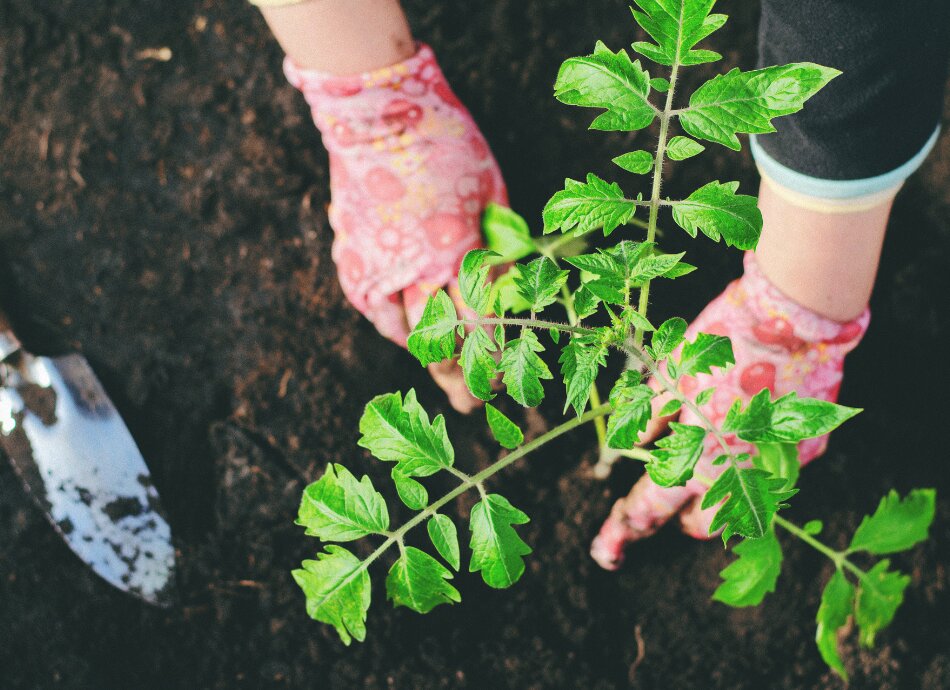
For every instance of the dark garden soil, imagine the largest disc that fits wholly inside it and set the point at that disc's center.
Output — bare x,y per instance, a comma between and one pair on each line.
168,219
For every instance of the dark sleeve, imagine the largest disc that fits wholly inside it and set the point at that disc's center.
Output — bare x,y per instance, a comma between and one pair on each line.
888,100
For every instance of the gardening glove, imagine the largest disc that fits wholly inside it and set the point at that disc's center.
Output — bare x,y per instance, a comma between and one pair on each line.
410,174
779,345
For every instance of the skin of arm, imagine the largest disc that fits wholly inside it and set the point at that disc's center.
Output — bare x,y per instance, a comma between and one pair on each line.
342,38
826,262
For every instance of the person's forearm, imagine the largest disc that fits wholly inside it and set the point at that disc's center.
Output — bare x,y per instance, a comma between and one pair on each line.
826,262
342,37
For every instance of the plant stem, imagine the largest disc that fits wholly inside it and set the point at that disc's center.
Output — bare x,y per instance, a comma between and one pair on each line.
476,481
636,453
644,300
524,323
839,558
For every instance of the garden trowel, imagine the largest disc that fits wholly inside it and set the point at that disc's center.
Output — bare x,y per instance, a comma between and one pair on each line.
78,460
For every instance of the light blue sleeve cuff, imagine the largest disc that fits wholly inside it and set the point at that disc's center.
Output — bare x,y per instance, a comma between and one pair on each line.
838,189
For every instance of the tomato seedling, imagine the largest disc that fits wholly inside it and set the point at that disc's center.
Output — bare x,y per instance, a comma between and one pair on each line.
605,295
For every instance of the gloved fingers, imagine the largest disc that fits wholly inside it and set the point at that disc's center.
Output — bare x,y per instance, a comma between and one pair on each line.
649,506
645,509
389,318
695,522
448,376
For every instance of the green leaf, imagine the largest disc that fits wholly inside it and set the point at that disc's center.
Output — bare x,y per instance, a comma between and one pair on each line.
679,270
506,233
780,460
671,407
497,550
418,581
631,413
473,274
585,207
509,297
880,594
400,432
337,507
585,302
634,318
677,26
627,264
748,579
718,211
897,524
625,386
639,162
445,538
786,420
524,369
603,264
705,352
607,290
478,364
660,84
813,527
433,338
611,81
754,496
668,337
539,282
705,396
837,601
580,361
676,455
681,148
338,592
746,102
505,431
411,492
658,266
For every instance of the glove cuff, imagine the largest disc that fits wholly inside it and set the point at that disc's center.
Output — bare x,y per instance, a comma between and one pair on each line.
781,319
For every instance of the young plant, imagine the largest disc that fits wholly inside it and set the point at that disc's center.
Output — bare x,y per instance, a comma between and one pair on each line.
606,295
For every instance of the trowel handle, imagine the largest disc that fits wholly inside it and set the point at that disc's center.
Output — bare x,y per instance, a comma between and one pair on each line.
9,343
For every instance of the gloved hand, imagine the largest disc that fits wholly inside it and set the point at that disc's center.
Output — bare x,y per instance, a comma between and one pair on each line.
410,174
779,345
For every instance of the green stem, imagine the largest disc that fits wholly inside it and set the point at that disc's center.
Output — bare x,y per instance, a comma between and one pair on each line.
839,558
524,323
600,426
644,300
636,453
476,481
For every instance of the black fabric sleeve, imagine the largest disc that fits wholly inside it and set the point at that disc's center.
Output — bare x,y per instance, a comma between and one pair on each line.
888,100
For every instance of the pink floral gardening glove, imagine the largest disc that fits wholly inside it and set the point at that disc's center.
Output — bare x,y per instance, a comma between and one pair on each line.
778,345
410,174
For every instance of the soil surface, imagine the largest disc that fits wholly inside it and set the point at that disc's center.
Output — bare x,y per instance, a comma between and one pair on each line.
167,218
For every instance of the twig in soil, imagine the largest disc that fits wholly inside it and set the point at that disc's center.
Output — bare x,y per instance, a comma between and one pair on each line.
641,653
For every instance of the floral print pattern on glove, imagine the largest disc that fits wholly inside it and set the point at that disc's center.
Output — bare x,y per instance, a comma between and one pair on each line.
778,344
410,174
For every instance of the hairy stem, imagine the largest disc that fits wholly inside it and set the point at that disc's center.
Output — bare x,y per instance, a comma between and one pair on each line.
476,481
524,323
839,558
644,300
